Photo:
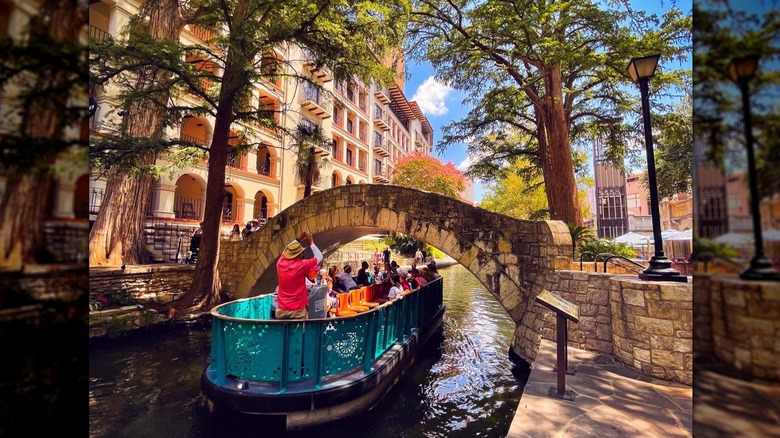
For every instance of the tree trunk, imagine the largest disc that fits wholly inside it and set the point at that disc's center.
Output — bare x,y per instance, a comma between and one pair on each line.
204,293
117,237
22,210
555,152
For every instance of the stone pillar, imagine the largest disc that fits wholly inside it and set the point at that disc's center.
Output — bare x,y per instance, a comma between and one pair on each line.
244,210
63,206
162,201
652,327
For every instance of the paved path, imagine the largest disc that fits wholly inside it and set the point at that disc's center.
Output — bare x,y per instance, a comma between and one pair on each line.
726,407
610,400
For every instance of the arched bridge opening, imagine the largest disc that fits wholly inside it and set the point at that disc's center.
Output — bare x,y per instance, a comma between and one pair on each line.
510,257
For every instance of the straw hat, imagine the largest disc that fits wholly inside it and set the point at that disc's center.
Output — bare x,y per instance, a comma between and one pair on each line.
293,250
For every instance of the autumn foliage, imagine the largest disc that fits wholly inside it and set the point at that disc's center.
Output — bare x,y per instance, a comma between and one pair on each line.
428,173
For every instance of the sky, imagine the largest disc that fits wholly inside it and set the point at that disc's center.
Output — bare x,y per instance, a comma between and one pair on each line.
442,105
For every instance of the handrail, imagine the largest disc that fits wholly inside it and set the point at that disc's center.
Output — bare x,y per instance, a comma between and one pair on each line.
620,257
582,254
707,257
596,260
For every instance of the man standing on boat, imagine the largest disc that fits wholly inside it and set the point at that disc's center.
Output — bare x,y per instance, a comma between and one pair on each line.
292,270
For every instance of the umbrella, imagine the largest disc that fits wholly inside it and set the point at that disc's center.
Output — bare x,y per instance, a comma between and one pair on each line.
669,233
771,235
632,238
685,235
735,239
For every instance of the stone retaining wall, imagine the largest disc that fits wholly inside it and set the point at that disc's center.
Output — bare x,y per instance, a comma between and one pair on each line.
652,327
145,283
645,325
590,292
746,324
63,283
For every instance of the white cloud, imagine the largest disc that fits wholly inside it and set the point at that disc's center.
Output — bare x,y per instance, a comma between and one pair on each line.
465,164
431,96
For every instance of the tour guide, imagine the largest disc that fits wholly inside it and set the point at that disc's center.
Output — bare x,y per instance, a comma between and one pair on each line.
292,269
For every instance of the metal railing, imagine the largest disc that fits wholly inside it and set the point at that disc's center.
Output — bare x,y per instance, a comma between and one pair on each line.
188,208
708,257
619,257
362,166
97,33
247,344
191,139
95,199
381,143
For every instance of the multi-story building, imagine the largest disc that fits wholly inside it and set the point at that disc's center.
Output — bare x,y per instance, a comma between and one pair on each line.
637,201
610,195
67,202
710,196
370,126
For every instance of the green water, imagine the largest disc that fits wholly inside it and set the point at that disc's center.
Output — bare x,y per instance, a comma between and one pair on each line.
461,384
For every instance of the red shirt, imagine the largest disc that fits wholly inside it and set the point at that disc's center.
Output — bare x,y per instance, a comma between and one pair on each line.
292,282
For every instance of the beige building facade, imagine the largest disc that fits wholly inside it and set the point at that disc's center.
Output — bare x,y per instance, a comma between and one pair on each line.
370,127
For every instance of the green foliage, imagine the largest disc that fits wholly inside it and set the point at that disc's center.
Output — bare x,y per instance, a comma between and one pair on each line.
579,235
346,38
507,55
308,164
402,244
599,246
674,150
723,33
40,73
520,193
702,246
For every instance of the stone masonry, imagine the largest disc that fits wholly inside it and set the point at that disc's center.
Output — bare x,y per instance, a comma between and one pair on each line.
746,325
145,283
652,327
590,292
510,257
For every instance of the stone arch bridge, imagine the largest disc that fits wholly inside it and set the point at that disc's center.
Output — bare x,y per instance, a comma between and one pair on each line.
510,257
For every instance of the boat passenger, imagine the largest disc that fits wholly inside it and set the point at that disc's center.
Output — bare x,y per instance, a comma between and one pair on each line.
425,274
395,290
403,274
417,280
362,277
292,270
346,279
433,270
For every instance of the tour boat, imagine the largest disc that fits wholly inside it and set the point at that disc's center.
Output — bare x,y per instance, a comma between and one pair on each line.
317,370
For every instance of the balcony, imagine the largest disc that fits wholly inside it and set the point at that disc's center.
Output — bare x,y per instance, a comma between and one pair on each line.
322,149
381,119
320,73
381,147
316,103
191,139
201,33
362,166
380,175
97,33
382,95
418,139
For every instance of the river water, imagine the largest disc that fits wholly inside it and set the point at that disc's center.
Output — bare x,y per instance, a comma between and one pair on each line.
461,384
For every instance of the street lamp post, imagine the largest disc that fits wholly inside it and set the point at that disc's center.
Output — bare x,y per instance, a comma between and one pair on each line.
641,70
741,70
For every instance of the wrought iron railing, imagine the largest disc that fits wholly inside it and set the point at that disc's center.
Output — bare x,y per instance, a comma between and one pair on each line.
188,208
97,33
247,344
95,199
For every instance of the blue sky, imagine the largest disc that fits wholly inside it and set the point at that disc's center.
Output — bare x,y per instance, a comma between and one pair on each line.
442,104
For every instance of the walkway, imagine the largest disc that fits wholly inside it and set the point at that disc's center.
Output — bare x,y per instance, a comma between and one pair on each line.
611,400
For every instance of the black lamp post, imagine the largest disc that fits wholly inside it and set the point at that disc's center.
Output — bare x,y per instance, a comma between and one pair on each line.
641,70
741,70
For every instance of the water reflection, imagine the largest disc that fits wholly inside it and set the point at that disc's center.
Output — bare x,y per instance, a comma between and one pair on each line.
460,385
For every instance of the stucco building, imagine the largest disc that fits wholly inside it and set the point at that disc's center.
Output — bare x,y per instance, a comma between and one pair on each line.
370,126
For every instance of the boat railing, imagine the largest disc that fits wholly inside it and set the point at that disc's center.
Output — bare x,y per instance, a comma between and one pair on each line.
247,344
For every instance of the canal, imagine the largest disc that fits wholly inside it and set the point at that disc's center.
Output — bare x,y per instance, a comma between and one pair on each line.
461,384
